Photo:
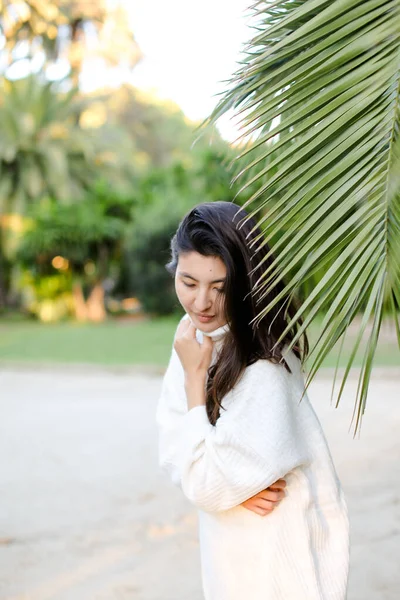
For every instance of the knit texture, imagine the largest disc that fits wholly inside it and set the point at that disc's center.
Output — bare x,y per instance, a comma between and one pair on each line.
300,551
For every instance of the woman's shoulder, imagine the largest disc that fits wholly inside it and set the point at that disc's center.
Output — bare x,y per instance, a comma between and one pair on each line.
264,374
277,368
265,388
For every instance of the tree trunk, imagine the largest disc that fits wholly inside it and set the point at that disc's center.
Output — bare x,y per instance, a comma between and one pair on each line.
3,292
3,274
93,308
76,51
81,313
95,304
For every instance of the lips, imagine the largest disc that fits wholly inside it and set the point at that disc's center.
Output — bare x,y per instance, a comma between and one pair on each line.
205,318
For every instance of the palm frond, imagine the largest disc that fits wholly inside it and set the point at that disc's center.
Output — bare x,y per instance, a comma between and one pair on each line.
318,93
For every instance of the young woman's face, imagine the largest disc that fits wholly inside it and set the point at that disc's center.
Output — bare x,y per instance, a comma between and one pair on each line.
199,285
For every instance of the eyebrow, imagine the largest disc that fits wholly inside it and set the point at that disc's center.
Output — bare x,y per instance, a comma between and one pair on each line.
194,279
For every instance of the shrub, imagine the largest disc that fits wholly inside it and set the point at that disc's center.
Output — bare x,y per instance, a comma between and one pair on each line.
148,253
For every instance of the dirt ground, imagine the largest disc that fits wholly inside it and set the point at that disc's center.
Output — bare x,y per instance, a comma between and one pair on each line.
85,513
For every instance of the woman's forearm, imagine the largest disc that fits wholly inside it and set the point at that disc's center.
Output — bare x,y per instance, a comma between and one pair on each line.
195,388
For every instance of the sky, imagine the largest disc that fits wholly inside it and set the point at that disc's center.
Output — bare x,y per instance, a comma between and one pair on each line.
189,49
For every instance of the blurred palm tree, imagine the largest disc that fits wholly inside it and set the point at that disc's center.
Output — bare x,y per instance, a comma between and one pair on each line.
317,93
69,31
42,150
45,153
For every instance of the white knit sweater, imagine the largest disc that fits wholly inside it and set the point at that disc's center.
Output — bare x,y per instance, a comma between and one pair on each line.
300,551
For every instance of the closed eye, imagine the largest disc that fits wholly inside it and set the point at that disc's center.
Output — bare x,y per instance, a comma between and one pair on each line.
192,285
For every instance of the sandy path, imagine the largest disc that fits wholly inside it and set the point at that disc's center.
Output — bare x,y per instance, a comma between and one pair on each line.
85,514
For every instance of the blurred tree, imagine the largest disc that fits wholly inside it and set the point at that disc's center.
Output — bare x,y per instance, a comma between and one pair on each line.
83,241
163,196
67,32
161,132
144,271
44,152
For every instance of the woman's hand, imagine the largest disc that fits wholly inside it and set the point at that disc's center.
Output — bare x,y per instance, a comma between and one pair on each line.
265,501
195,357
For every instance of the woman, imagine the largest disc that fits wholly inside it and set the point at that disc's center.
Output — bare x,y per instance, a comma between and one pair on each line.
232,426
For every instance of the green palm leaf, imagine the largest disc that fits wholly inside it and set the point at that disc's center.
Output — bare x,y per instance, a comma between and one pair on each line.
317,94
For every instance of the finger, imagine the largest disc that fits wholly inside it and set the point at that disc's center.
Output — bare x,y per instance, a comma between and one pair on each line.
190,331
272,496
281,483
266,505
207,342
259,511
182,327
281,491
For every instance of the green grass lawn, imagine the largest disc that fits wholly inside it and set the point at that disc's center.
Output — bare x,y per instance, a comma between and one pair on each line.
111,343
118,342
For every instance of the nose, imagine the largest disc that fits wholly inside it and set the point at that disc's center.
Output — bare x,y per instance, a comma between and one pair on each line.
203,301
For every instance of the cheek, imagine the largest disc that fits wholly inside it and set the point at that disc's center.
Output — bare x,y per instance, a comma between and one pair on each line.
182,293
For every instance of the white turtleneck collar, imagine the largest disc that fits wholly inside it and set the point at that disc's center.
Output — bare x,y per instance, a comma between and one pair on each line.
215,335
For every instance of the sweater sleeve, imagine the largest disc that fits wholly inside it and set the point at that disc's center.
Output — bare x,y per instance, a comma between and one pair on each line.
256,441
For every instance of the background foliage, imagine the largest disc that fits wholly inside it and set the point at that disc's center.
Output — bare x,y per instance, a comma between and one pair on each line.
84,177
94,183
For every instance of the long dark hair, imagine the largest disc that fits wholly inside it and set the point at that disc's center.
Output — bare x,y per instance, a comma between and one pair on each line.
212,229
